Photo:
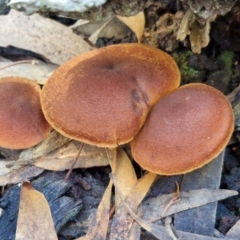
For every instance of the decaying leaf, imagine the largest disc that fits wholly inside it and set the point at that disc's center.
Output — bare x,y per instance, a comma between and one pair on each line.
51,143
158,231
34,217
55,153
199,34
99,227
234,232
63,158
35,70
153,207
127,179
50,39
133,191
18,173
135,23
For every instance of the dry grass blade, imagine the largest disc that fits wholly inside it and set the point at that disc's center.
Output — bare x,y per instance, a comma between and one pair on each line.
34,217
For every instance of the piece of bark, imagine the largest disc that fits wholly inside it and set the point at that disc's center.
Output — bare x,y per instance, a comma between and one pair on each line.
200,220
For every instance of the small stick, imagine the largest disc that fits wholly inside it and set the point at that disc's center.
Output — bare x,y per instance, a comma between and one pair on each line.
175,199
75,160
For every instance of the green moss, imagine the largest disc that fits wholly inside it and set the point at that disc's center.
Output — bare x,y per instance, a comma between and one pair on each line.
226,60
187,73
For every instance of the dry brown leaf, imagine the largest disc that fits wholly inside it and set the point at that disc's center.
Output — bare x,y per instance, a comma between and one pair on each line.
133,191
63,158
19,174
34,216
35,70
50,39
153,207
135,23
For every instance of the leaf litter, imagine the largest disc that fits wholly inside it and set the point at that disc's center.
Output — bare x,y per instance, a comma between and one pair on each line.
57,47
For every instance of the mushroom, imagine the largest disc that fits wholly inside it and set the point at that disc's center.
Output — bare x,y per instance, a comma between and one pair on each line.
103,97
22,123
184,131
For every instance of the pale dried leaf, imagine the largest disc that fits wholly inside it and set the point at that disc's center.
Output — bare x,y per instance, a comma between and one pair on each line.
153,207
184,30
50,39
133,191
51,143
135,23
34,216
93,38
234,232
19,174
99,226
38,71
63,158
114,29
199,36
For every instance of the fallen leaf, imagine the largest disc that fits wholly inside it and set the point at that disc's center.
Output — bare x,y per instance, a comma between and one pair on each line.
133,191
234,232
158,231
34,70
127,179
52,142
153,207
50,39
135,23
34,216
114,29
19,174
94,37
99,226
63,158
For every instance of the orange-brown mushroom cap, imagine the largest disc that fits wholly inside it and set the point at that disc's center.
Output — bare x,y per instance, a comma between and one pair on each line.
185,130
22,123
102,97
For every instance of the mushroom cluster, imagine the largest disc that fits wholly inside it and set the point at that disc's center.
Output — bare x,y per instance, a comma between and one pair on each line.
22,123
104,97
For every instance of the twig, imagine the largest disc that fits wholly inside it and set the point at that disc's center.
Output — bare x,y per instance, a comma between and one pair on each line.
75,160
175,199
33,62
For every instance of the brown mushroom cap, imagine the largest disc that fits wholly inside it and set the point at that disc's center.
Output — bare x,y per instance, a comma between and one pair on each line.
185,130
102,97
22,123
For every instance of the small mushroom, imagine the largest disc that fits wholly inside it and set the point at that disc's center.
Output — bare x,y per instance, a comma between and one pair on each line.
184,131
103,97
22,123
